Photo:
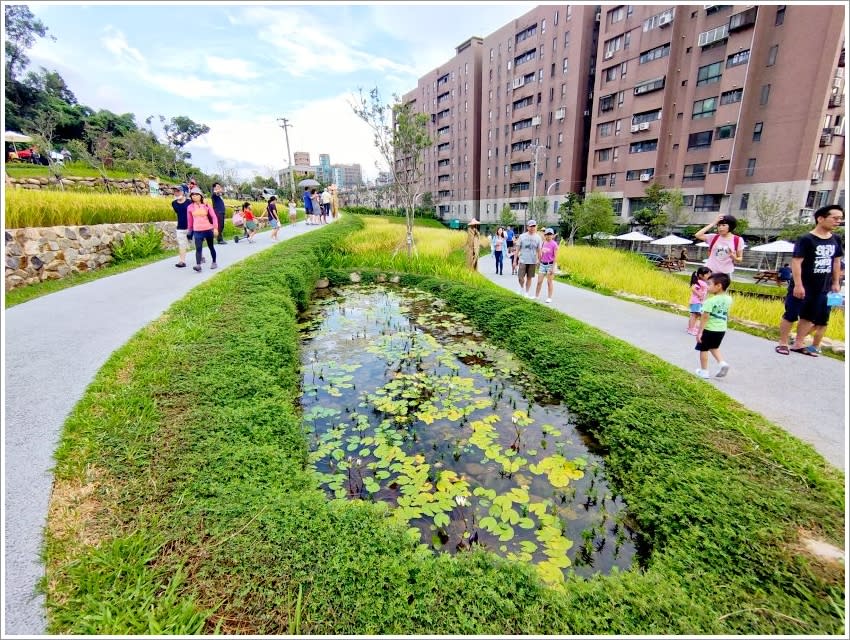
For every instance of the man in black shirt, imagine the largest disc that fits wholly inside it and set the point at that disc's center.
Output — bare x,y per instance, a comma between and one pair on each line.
180,204
220,210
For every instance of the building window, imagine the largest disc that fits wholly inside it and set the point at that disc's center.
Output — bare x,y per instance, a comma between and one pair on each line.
560,137
646,116
709,73
771,55
745,201
612,46
704,108
558,161
649,86
694,173
728,97
566,65
610,74
566,39
617,204
643,146
616,15
725,132
719,166
603,154
751,166
765,94
742,57
712,36
654,54
699,140
780,15
707,203
606,103
605,129
757,129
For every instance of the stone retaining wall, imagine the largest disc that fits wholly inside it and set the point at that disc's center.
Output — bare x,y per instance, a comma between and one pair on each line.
73,183
50,253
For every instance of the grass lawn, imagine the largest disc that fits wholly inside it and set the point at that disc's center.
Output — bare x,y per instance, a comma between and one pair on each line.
182,501
73,169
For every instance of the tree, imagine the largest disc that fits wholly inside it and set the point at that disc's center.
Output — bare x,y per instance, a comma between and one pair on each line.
507,217
96,151
566,217
179,132
400,136
674,208
594,215
537,211
43,131
772,212
22,28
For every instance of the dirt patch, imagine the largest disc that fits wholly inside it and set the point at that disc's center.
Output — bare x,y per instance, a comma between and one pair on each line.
822,550
74,515
125,373
824,558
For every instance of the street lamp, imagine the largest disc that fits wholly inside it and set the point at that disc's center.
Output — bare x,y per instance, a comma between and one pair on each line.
537,148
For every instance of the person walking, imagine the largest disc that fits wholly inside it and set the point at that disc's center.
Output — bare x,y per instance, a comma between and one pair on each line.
180,204
220,209
715,319
528,248
271,214
326,205
498,245
724,247
473,244
699,291
815,271
203,225
548,254
293,212
308,205
316,201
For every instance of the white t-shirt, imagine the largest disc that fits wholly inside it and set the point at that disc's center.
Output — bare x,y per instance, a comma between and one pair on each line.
326,197
720,258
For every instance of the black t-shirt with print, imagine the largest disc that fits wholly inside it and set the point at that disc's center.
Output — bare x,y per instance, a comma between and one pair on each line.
818,255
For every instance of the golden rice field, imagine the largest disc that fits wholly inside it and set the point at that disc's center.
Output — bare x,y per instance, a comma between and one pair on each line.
630,273
42,208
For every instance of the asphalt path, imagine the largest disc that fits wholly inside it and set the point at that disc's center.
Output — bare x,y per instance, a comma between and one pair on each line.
54,346
806,396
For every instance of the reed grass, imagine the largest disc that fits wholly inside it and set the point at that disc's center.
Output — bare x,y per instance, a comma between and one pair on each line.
618,271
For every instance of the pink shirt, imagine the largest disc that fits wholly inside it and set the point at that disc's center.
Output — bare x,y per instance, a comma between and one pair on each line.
698,292
720,259
548,251
198,221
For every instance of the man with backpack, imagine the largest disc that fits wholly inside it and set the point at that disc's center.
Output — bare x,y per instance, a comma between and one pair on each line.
724,247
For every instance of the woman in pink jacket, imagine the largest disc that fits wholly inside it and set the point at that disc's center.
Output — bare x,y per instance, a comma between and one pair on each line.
203,224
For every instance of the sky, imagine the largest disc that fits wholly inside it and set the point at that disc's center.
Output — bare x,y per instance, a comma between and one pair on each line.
239,67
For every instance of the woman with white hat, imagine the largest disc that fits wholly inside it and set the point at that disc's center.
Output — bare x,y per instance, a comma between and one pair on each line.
203,225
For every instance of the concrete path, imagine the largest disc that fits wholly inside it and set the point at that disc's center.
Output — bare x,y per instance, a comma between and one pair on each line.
805,396
54,346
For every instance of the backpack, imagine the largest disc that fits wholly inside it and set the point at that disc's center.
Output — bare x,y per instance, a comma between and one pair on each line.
238,220
736,242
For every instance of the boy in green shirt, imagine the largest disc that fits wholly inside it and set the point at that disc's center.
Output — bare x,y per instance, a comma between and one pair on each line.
715,316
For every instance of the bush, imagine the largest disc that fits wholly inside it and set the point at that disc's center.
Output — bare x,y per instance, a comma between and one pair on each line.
138,245
419,212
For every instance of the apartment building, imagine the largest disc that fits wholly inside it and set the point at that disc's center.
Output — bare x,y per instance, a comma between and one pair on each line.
451,96
537,75
343,175
721,101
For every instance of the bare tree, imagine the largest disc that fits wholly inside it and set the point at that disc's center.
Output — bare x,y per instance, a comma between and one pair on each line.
43,128
772,211
400,135
674,208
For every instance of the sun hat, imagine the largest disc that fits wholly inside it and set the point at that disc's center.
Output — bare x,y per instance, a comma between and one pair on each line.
473,221
195,190
531,223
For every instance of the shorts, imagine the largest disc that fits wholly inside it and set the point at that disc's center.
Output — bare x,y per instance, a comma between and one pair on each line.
696,307
526,270
710,340
546,268
510,243
250,225
182,240
273,223
812,308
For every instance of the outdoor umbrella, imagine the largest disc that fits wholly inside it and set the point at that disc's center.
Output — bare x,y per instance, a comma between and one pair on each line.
777,247
308,182
633,236
14,136
598,236
671,240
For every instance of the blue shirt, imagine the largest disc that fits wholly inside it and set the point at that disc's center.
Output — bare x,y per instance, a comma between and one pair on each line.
181,209
218,205
308,203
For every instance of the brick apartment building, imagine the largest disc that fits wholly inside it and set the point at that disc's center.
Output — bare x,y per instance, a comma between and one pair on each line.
721,101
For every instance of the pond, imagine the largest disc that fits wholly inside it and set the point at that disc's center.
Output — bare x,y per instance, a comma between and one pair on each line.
404,402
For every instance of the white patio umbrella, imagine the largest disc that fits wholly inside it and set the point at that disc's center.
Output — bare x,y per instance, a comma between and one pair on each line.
671,241
633,236
778,247
14,136
701,244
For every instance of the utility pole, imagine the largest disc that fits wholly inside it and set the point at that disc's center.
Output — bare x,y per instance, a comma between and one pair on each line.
285,126
537,148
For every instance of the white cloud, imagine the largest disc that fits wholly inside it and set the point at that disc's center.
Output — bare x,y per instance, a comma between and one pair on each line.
240,69
116,43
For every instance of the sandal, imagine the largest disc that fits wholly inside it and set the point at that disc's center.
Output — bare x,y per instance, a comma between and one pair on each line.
805,351
813,350
782,349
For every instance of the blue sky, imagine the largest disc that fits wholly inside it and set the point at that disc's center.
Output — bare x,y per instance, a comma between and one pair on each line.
239,67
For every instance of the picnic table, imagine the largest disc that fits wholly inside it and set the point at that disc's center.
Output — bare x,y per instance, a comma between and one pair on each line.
670,264
767,276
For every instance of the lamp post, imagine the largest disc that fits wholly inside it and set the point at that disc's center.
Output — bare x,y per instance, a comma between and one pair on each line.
537,149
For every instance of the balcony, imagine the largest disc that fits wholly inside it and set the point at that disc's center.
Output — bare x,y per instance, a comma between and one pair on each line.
696,177
826,137
743,19
836,100
817,176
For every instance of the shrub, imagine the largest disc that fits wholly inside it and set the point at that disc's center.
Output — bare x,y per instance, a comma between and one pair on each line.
138,245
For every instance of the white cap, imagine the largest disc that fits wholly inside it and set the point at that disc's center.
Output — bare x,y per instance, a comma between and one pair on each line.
531,223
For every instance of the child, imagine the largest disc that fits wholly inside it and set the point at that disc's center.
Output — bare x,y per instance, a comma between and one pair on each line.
250,222
699,290
715,316
292,211
514,255
548,253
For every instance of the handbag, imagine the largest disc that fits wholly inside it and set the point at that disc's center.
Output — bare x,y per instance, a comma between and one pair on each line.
238,220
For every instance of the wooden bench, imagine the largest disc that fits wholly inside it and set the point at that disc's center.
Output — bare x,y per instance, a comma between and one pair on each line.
767,276
670,265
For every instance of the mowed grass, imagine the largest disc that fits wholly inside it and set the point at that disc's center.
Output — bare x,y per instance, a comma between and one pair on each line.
183,504
613,271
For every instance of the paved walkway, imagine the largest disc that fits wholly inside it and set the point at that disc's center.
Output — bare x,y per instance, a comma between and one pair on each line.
805,396
54,346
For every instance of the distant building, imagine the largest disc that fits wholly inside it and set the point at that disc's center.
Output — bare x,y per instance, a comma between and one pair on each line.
302,158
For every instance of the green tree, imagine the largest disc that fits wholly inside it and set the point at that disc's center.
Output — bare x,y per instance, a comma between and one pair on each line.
566,216
507,217
674,208
43,129
22,28
537,211
400,135
772,212
595,214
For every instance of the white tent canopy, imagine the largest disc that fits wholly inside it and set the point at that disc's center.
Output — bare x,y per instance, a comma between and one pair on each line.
14,136
598,236
778,246
633,236
671,240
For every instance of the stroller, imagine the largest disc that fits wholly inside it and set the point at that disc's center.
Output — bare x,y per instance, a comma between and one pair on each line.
239,222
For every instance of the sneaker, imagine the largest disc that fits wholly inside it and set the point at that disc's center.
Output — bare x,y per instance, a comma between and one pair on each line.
222,241
213,266
197,267
702,373
724,369
180,264
548,300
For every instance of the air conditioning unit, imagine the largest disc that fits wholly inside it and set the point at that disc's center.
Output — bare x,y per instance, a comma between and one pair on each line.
645,177
535,121
635,128
644,126
664,19
608,55
519,82
817,176
598,16
561,113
